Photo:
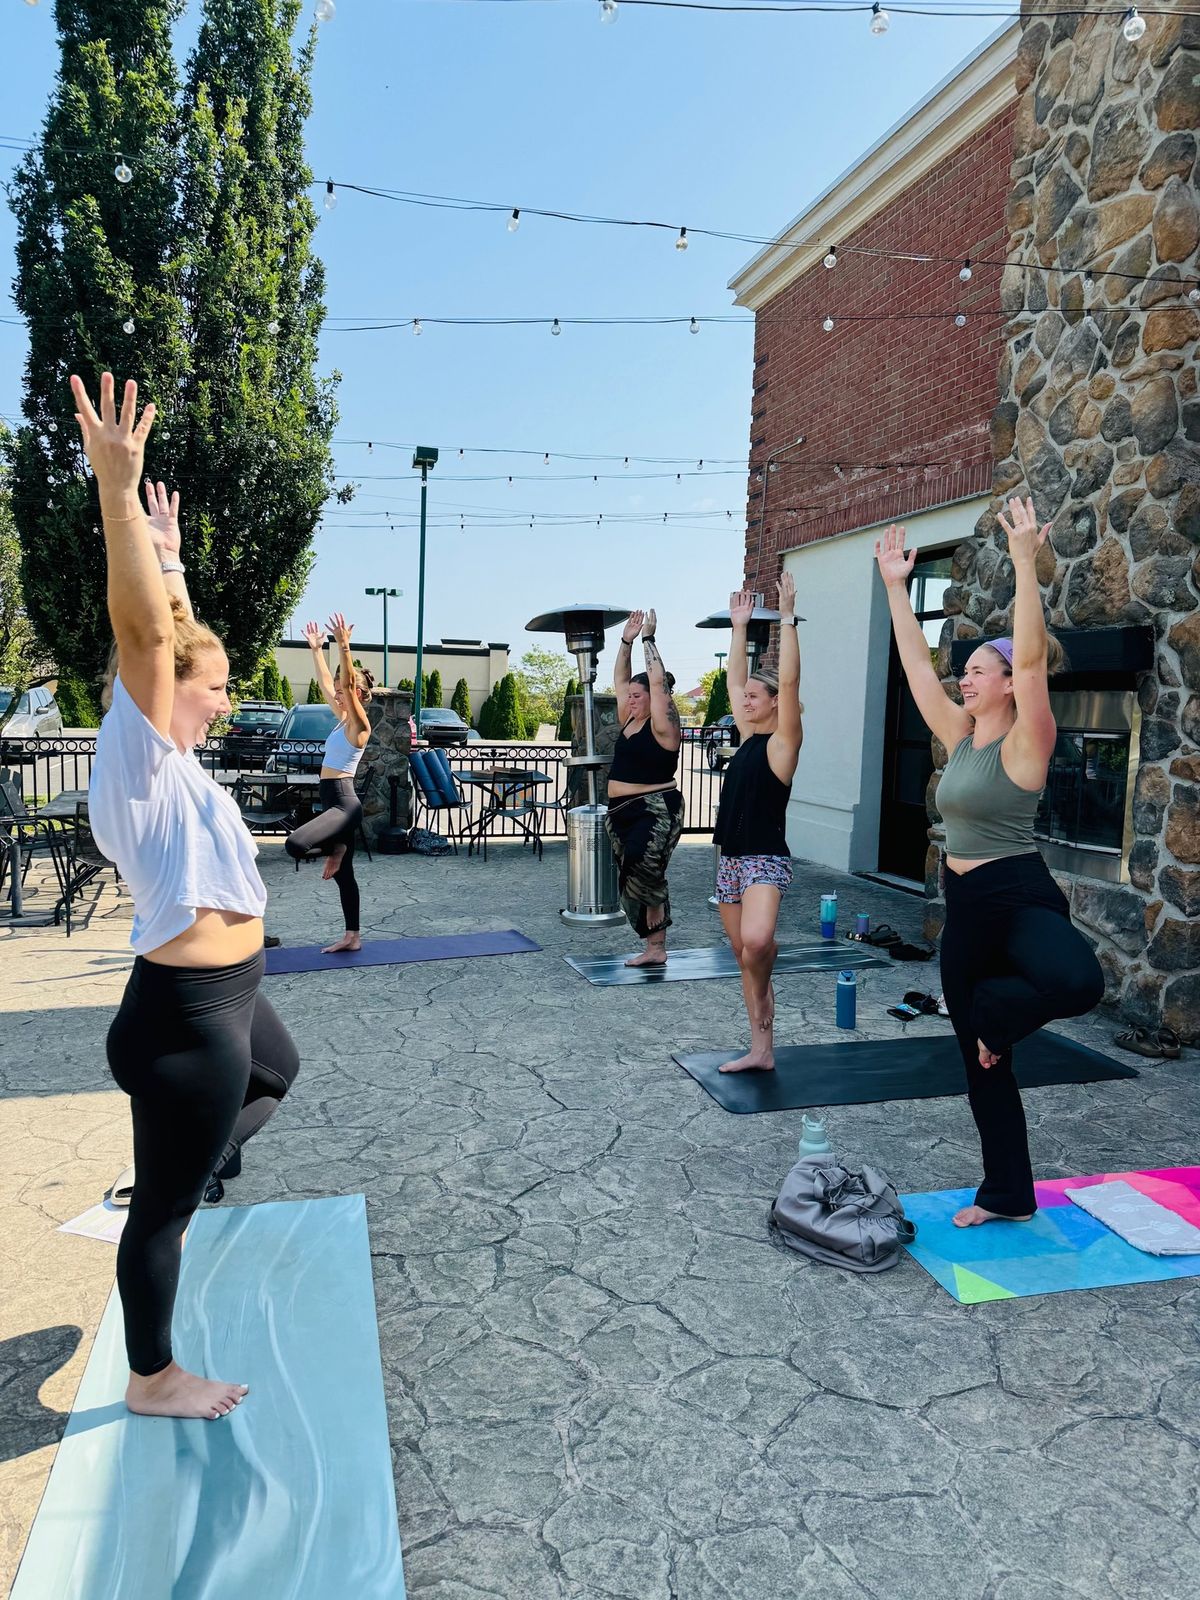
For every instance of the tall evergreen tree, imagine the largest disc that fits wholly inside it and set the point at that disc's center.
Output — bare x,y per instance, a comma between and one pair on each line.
436,696
718,700
20,653
286,694
272,688
460,700
564,722
508,720
204,255
314,696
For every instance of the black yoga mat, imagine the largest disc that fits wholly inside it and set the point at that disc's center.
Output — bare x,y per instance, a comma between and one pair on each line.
867,1070
395,952
718,962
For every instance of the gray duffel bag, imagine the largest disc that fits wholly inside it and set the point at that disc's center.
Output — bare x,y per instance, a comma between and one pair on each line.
842,1217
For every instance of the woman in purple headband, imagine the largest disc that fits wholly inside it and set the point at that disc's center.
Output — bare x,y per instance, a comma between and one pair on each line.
1011,959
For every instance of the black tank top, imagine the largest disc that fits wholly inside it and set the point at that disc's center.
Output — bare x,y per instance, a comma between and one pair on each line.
752,815
639,758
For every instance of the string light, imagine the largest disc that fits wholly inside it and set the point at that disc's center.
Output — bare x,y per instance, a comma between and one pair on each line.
416,327
325,10
880,21
556,327
830,258
828,325
1134,26
965,274
693,326
514,222
121,172
960,320
1194,294
608,10
331,198
128,325
682,242
273,325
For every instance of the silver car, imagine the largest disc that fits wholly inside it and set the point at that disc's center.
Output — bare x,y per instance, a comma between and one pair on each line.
36,715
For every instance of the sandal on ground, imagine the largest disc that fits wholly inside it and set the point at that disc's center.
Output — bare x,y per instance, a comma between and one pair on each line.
122,1190
924,1003
910,952
1155,1043
882,937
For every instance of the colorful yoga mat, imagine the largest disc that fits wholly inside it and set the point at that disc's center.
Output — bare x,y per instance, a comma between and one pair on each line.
1061,1248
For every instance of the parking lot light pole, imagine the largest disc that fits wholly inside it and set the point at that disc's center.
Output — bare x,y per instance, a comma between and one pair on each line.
393,593
424,457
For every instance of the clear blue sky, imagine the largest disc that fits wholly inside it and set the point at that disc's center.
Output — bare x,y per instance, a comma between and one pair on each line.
706,120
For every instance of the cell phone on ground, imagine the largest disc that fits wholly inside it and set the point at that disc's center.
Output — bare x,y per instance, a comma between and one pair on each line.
905,1012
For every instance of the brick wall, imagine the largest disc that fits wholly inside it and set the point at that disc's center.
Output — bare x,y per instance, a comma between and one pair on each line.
884,391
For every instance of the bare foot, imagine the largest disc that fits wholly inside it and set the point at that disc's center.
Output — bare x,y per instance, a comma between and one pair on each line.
654,955
176,1393
759,1060
348,941
987,1058
333,861
969,1216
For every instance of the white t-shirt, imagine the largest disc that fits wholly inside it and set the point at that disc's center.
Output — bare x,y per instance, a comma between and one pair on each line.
176,836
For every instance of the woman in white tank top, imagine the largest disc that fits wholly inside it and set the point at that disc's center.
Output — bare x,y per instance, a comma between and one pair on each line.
331,834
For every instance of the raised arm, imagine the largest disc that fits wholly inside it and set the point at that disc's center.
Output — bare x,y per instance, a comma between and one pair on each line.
784,748
358,727
162,514
623,669
1034,732
945,720
741,608
664,715
138,606
316,645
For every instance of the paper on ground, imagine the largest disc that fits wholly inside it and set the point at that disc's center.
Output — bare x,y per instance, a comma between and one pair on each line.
103,1221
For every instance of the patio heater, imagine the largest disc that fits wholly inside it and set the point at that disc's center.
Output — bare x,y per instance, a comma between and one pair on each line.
758,637
592,898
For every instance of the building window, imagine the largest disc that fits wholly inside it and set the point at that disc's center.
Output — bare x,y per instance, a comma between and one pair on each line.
927,591
1085,806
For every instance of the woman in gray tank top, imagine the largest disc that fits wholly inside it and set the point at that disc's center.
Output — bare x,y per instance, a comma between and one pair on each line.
1011,959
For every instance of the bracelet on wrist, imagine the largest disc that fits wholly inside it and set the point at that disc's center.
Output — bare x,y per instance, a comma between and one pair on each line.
172,566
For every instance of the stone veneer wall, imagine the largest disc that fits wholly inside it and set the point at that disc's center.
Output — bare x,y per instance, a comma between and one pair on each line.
386,753
1099,416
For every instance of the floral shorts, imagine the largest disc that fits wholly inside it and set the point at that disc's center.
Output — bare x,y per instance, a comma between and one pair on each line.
736,874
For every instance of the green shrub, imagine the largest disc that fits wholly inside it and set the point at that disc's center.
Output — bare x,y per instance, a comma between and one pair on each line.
79,705
460,700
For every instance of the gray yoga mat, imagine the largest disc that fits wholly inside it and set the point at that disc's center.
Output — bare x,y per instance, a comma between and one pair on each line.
292,1494
718,962
866,1070
396,952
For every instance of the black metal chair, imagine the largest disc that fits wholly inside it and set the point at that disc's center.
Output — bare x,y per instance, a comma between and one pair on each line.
68,845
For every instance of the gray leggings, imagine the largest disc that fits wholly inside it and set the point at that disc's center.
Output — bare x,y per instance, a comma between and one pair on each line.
337,824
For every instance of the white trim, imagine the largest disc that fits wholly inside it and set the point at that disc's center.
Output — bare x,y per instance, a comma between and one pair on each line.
969,99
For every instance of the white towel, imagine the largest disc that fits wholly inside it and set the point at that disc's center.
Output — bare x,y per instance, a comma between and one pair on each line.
1139,1220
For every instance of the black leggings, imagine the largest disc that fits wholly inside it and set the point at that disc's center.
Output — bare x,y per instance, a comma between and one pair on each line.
337,824
1011,962
205,1061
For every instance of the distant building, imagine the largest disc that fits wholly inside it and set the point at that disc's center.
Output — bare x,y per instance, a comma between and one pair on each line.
482,665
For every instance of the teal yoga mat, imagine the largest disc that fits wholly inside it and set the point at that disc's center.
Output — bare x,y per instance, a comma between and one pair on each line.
290,1498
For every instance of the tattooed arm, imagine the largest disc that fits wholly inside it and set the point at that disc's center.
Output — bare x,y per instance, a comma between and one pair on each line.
664,717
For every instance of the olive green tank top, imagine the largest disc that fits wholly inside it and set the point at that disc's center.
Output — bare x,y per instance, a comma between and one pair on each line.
987,815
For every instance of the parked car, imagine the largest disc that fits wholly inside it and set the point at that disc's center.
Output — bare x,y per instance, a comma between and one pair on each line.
36,716
251,733
719,740
439,725
303,725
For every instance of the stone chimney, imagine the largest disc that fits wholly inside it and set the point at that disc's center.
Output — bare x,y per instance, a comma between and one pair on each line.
385,757
1099,417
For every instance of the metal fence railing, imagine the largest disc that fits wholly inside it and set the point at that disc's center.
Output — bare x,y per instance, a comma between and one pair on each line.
47,767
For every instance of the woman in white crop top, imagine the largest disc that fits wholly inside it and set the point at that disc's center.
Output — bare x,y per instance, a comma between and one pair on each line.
201,1054
332,833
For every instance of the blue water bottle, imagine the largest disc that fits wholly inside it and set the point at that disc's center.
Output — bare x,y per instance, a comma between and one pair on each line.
847,999
829,916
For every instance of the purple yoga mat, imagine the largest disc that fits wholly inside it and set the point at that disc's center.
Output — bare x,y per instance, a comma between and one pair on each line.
394,952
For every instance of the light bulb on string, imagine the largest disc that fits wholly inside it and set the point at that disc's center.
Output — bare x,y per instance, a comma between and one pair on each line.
830,260
682,242
331,198
1194,294
965,274
828,324
417,329
546,459
556,327
121,172
324,10
837,472
693,326
960,320
1134,26
700,466
608,10
273,325
514,222
880,21
129,325
52,426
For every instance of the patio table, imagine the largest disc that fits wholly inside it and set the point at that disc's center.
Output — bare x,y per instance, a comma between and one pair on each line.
500,785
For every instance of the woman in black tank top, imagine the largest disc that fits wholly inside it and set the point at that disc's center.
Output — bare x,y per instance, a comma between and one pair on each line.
645,808
751,819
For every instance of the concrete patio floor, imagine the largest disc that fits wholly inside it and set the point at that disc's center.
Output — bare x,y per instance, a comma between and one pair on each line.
603,1378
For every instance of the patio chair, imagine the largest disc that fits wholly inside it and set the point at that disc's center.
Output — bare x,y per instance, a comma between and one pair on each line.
24,835
436,791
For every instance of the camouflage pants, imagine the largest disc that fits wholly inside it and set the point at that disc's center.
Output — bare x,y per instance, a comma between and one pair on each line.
644,830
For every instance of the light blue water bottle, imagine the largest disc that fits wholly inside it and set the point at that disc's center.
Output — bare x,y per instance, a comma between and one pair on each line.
847,999
829,916
814,1141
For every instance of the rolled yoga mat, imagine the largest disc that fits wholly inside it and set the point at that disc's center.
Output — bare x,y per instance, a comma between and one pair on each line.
396,952
290,1496
1063,1247
867,1070
719,962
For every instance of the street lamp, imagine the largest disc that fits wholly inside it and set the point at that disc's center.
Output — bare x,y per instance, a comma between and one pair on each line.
424,457
720,655
386,593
